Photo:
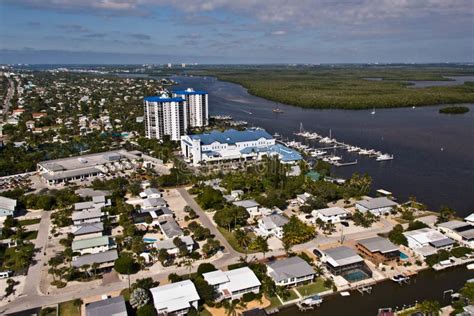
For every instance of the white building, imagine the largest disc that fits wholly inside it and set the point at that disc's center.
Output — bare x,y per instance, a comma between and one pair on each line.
150,193
460,231
330,214
272,225
93,215
427,241
290,271
175,298
197,108
302,199
92,245
234,283
470,219
377,206
165,116
171,248
250,144
7,206
251,206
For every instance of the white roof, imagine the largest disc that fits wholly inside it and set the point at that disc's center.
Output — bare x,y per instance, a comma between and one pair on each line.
235,280
331,211
86,214
7,204
375,203
246,203
425,235
470,218
83,205
341,256
174,296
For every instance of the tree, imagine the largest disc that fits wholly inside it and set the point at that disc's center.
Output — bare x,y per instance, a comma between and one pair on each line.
206,292
416,225
430,308
211,247
396,235
261,244
145,283
210,198
445,214
163,256
231,307
242,238
296,232
125,264
205,267
231,216
147,310
173,278
139,297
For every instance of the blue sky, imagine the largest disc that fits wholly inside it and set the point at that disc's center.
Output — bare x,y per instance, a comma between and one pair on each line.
232,31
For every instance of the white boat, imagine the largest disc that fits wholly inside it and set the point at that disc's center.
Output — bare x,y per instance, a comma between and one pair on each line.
318,153
373,111
335,158
345,293
326,140
364,152
353,149
399,278
312,300
470,266
384,157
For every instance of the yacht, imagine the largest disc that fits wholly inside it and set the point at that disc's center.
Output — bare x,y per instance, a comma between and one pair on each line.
373,111
353,149
277,110
312,300
384,157
326,140
317,153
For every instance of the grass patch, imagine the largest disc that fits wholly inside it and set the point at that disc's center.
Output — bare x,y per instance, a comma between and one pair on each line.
126,294
232,241
69,308
274,302
31,235
293,296
312,288
32,221
205,312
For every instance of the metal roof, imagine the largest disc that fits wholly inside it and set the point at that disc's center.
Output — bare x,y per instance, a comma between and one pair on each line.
341,256
87,214
170,228
234,280
274,221
231,136
174,296
375,203
114,306
378,244
246,203
293,267
101,257
7,203
90,242
331,211
88,228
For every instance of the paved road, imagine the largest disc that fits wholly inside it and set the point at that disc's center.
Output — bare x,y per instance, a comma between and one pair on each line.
206,222
34,272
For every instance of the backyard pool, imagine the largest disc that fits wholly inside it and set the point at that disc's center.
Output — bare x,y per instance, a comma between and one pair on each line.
403,256
149,240
356,275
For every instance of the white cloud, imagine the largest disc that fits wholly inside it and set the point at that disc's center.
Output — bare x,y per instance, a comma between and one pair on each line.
278,33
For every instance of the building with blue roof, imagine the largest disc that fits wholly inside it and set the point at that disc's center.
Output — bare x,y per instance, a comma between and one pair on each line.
197,107
165,115
250,144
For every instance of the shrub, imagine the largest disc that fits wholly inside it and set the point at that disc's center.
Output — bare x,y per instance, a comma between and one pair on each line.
248,297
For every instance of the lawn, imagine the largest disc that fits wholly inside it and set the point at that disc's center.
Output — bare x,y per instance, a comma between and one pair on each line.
274,302
232,241
69,309
31,235
312,288
293,296
126,294
32,221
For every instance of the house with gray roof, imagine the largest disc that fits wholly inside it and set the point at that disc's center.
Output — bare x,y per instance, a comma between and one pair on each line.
378,249
460,231
105,259
150,193
171,248
272,225
7,206
114,306
330,215
346,262
170,229
93,215
88,230
290,271
377,206
427,241
153,202
251,206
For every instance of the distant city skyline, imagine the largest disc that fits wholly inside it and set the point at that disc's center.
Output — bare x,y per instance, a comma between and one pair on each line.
226,31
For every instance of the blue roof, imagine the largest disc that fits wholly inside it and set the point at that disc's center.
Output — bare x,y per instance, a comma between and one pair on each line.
161,99
286,154
231,136
185,92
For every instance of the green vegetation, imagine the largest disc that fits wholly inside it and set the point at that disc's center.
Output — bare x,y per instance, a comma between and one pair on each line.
442,255
396,236
70,308
454,110
296,232
312,288
345,87
231,216
230,236
27,222
126,264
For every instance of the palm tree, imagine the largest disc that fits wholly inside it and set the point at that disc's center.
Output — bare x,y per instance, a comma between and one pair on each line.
242,238
94,267
430,308
189,266
231,307
318,269
262,244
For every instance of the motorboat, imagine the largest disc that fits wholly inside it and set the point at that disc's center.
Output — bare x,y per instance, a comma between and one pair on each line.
384,157
312,300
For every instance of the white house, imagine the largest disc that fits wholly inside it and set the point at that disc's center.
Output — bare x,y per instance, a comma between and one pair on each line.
92,245
330,215
377,206
87,216
234,283
7,206
175,298
272,225
171,248
251,206
250,144
150,193
88,230
427,241
302,199
460,231
470,219
290,271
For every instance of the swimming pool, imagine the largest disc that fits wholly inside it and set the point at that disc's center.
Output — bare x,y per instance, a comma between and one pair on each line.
149,240
356,275
403,256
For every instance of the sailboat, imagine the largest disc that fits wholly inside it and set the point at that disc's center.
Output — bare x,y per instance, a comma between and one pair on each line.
373,111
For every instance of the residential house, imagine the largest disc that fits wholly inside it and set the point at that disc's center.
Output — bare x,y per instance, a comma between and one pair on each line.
290,271
153,203
427,241
272,225
330,215
114,306
251,206
460,231
234,283
345,261
304,198
170,229
88,230
87,216
170,247
377,206
470,219
104,260
378,249
150,193
7,206
175,298
92,245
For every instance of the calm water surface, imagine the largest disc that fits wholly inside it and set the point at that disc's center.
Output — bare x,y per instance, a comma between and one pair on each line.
434,153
